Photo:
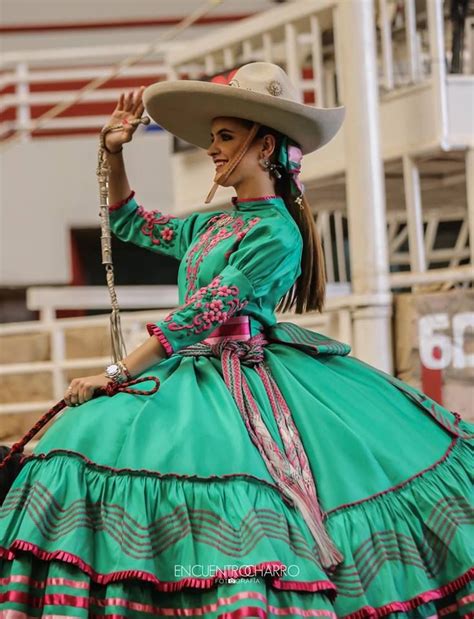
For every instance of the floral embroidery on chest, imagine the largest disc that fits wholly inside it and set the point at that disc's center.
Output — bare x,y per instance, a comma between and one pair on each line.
212,305
221,227
160,228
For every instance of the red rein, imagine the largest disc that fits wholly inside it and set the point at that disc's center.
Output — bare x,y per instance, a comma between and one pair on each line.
110,390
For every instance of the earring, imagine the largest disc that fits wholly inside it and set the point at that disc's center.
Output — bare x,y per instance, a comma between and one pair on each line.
271,168
299,202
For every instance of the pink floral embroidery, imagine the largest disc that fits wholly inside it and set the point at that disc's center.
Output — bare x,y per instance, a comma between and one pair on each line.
153,222
216,302
220,227
167,234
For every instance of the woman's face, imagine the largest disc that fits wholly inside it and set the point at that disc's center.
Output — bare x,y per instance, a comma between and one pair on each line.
227,136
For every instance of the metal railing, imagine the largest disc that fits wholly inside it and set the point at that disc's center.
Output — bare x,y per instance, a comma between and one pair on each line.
413,52
336,321
445,240
306,44
305,38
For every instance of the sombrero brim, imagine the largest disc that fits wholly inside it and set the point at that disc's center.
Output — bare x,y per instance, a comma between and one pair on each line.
186,109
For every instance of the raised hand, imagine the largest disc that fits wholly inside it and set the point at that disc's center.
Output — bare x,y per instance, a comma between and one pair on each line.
129,107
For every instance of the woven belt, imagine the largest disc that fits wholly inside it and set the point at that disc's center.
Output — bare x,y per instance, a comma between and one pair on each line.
235,328
289,468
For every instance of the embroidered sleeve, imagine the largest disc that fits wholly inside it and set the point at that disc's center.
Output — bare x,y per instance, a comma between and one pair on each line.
154,230
206,309
264,265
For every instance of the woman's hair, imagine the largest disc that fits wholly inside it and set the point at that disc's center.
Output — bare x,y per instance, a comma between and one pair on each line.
309,289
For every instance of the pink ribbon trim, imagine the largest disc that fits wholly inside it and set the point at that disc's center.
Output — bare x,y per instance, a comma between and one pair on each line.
419,600
157,332
247,611
235,328
168,586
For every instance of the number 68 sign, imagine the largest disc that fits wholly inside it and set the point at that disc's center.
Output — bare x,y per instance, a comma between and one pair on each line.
443,344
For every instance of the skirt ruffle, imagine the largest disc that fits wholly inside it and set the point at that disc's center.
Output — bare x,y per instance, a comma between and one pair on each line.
84,540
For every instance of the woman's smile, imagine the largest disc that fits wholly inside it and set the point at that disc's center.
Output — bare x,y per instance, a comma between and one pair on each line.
219,163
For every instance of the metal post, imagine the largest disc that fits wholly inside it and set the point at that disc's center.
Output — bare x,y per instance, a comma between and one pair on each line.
292,65
209,64
317,61
229,58
434,10
267,47
247,51
365,189
410,34
386,43
411,179
470,198
23,113
338,53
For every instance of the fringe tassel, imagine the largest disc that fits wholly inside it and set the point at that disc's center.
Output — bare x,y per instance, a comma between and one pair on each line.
329,554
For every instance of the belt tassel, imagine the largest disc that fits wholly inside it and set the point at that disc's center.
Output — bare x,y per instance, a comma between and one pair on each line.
290,468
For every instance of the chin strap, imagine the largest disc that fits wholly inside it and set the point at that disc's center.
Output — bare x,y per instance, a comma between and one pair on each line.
222,176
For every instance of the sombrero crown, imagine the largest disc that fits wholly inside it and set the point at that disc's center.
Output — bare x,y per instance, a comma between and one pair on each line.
259,91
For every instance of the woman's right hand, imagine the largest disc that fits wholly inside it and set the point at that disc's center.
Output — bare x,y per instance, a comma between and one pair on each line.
129,107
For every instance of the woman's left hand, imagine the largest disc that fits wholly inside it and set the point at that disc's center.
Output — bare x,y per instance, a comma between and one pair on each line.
82,389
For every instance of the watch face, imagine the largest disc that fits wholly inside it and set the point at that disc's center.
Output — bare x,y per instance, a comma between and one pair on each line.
113,369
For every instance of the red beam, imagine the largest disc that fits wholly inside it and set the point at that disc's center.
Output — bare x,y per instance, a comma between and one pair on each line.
107,25
98,108
432,380
68,84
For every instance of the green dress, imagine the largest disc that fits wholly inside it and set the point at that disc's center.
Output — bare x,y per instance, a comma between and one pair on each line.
163,505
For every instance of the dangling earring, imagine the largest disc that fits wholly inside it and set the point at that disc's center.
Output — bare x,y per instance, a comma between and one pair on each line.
271,168
299,202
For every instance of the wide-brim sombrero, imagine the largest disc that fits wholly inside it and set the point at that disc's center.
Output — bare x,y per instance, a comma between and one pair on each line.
259,92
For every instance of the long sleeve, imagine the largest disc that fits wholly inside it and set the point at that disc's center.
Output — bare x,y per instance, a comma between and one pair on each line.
264,265
154,230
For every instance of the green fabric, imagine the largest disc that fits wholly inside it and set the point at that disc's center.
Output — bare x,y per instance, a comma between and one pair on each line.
231,274
133,486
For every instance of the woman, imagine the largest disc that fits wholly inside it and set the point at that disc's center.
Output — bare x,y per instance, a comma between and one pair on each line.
258,481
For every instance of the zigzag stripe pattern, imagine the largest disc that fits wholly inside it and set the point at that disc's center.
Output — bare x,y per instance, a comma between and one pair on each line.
207,527
146,542
386,546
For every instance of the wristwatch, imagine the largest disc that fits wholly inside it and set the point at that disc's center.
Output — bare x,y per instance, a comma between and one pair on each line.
114,372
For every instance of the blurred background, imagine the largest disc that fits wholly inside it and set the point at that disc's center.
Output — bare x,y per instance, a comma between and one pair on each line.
393,193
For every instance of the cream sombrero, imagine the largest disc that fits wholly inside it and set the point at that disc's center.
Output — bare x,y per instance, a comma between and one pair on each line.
259,92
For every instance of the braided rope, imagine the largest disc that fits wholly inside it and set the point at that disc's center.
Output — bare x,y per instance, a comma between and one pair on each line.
289,468
109,390
118,348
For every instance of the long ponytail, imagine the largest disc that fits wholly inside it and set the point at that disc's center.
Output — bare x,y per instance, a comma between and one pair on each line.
309,290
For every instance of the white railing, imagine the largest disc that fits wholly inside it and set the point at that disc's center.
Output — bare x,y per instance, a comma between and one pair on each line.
306,43
413,54
305,38
32,79
134,334
336,321
445,240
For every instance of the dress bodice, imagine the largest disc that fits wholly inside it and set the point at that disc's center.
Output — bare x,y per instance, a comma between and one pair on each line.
234,262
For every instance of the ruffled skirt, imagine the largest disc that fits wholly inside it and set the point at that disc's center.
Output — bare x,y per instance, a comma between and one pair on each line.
150,506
